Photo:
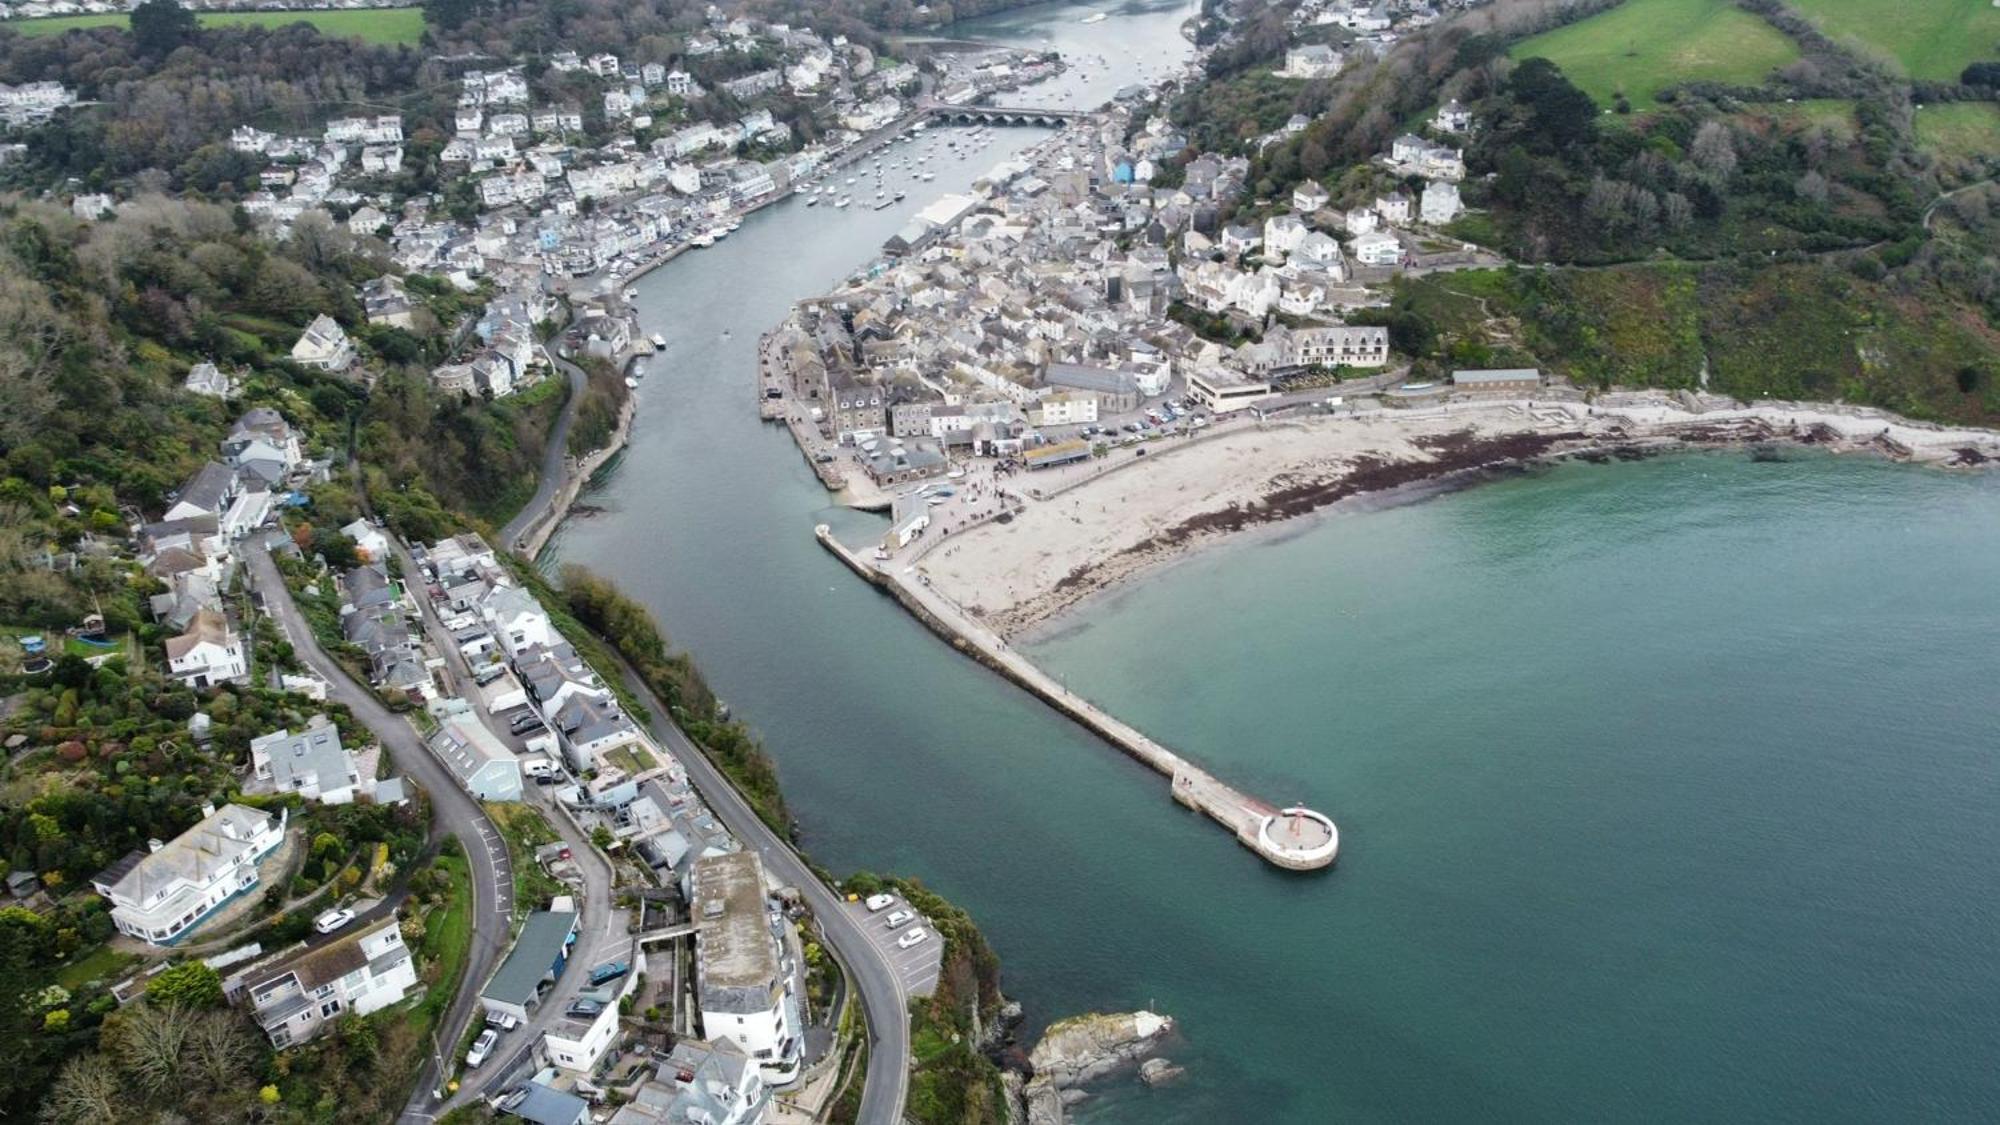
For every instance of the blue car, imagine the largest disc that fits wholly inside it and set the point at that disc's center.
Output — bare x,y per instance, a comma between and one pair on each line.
611,971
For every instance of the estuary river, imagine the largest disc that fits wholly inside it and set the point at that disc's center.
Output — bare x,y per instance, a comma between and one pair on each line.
1666,789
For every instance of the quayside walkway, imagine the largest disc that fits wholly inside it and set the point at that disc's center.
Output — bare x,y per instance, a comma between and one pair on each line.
1295,838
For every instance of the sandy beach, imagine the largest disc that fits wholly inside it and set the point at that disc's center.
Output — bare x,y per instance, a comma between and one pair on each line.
1099,533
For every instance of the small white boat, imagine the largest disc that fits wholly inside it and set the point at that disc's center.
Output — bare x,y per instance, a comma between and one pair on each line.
703,240
812,201
659,341
843,201
631,382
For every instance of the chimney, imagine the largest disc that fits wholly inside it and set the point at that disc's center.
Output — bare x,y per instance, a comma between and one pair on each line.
207,809
154,844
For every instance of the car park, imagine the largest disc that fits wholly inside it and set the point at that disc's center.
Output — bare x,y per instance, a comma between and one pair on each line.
912,939
899,918
481,1047
332,920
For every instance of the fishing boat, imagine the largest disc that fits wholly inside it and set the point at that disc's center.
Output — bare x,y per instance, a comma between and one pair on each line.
703,240
881,203
659,341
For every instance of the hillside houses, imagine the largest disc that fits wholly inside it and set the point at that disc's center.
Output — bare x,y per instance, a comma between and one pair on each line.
163,893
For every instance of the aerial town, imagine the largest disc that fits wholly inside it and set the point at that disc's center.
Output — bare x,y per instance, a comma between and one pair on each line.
380,487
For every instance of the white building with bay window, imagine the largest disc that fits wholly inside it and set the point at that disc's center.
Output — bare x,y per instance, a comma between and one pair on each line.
160,894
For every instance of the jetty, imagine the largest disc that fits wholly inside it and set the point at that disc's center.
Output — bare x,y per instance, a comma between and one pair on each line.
1292,837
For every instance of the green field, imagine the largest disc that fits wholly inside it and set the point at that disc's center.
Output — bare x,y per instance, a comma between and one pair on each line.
1930,38
1959,130
1644,46
387,26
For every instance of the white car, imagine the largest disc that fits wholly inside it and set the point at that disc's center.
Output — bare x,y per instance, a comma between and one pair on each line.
897,920
332,920
878,903
915,937
481,1047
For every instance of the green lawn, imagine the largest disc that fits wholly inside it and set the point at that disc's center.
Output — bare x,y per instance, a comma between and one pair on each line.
1930,38
632,759
102,964
447,938
1959,130
1644,46
388,26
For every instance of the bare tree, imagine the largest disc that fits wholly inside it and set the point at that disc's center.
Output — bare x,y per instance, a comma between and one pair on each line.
147,1040
1714,149
85,1093
218,1049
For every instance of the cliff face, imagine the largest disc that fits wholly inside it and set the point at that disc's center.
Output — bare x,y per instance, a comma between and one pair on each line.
1084,1049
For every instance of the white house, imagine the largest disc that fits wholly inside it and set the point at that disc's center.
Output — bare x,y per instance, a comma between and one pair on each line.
1452,117
1441,203
517,619
1361,221
743,979
323,345
1394,208
1282,235
715,1083
1377,248
296,996
209,653
311,763
208,379
578,1042
1315,60
369,542
1309,197
160,894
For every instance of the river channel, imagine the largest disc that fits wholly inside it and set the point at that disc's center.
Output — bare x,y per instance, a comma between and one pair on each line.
1666,789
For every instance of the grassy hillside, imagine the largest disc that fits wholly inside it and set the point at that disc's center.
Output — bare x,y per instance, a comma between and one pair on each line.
1801,331
385,26
1928,38
1959,130
1644,46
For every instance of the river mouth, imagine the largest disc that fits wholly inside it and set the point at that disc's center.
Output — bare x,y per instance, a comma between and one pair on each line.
1644,771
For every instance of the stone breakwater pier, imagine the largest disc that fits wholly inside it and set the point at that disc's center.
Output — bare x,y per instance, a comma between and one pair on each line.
1295,838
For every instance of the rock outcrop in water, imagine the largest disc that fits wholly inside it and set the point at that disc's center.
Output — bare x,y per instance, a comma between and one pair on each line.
1084,1049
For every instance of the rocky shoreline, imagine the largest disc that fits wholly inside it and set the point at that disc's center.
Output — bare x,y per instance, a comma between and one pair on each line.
1081,1051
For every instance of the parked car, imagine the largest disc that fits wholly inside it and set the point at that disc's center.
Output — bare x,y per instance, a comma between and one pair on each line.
525,723
607,972
878,903
897,920
481,1047
501,1021
585,1008
332,920
915,937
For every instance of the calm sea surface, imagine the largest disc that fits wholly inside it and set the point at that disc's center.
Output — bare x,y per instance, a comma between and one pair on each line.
1667,790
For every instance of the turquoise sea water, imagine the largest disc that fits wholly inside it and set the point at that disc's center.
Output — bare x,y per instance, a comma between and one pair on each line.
1667,789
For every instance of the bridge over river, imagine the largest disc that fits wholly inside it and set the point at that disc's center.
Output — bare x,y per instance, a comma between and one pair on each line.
1003,115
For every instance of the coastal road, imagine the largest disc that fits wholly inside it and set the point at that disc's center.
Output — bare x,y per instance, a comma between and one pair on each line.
555,458
878,982
485,851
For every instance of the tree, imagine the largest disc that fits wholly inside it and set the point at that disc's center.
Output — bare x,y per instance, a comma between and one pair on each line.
190,984
218,1050
1563,115
159,26
87,1091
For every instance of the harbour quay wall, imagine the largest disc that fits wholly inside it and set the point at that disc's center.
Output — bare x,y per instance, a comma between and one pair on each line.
1296,839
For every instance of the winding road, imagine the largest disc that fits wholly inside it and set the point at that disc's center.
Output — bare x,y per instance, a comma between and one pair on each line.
883,998
485,850
555,457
